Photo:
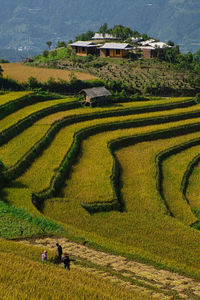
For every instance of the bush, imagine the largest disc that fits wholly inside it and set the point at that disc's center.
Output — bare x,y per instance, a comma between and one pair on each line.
45,53
32,83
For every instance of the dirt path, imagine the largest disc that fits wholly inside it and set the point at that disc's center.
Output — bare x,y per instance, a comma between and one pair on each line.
140,276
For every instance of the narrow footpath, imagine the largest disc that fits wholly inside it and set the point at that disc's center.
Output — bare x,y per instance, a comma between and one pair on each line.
144,278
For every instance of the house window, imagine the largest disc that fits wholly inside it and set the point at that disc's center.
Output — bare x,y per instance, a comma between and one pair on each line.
118,52
83,49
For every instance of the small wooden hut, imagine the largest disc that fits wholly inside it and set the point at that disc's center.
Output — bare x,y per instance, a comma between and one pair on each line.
96,96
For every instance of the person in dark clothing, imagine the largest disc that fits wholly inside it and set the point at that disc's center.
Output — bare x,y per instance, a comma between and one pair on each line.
66,261
59,251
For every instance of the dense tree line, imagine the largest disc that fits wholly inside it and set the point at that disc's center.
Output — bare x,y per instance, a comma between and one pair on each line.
119,31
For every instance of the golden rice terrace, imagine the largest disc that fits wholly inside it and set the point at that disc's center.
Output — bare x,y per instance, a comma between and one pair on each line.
123,177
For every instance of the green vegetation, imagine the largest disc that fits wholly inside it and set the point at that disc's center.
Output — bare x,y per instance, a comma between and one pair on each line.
15,222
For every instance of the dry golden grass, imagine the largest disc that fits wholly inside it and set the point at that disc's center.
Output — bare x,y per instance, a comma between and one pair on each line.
20,72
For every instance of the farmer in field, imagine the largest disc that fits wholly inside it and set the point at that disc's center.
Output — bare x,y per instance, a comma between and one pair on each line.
66,261
44,256
59,251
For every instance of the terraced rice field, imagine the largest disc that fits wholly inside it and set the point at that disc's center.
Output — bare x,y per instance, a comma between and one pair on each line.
12,96
119,177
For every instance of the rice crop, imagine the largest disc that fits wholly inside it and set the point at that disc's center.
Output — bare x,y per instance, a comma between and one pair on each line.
42,281
22,113
51,157
84,186
37,280
193,189
144,229
172,179
143,226
18,146
12,96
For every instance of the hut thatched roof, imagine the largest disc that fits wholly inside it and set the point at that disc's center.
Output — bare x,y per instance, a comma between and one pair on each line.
96,92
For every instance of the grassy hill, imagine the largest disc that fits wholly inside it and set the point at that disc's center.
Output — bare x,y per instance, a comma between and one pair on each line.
146,76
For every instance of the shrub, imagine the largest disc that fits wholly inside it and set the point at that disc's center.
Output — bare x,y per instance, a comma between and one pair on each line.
45,53
32,83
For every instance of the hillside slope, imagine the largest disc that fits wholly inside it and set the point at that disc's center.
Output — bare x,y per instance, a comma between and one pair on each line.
24,23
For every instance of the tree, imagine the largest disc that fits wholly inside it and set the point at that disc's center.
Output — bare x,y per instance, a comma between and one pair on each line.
118,32
49,44
45,53
61,44
1,71
85,36
136,33
103,29
172,54
170,43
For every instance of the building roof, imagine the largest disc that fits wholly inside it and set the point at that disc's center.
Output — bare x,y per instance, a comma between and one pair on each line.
159,45
96,92
144,43
101,36
84,44
117,46
146,48
136,39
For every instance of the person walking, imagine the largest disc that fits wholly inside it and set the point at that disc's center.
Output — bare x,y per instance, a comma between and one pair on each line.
44,256
59,251
66,261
